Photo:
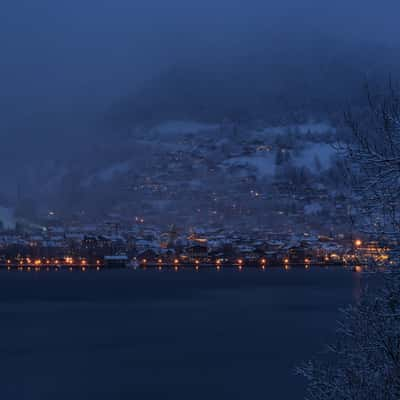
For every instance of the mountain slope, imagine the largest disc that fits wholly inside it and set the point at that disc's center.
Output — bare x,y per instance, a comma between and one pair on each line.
273,82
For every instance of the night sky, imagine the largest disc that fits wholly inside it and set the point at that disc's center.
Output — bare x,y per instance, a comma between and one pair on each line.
80,54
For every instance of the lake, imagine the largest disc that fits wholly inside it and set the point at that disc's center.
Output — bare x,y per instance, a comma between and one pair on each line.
164,334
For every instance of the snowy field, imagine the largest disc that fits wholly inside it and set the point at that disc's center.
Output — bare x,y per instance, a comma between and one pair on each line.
164,335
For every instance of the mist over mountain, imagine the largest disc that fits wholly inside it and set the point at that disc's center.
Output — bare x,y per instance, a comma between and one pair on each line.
196,128
310,76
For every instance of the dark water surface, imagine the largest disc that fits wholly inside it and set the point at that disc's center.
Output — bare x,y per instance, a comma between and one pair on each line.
165,335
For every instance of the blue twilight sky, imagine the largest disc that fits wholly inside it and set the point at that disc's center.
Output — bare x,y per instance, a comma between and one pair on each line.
79,54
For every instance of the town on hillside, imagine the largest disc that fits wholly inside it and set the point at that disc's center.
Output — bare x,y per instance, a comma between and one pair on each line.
118,244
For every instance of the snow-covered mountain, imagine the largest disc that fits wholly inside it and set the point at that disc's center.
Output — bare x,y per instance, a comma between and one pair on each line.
238,135
188,172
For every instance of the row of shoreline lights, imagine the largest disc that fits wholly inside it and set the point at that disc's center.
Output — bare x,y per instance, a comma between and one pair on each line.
36,268
197,262
357,268
40,262
240,262
70,260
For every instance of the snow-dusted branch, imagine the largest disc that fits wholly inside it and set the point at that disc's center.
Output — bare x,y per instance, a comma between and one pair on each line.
374,157
364,363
